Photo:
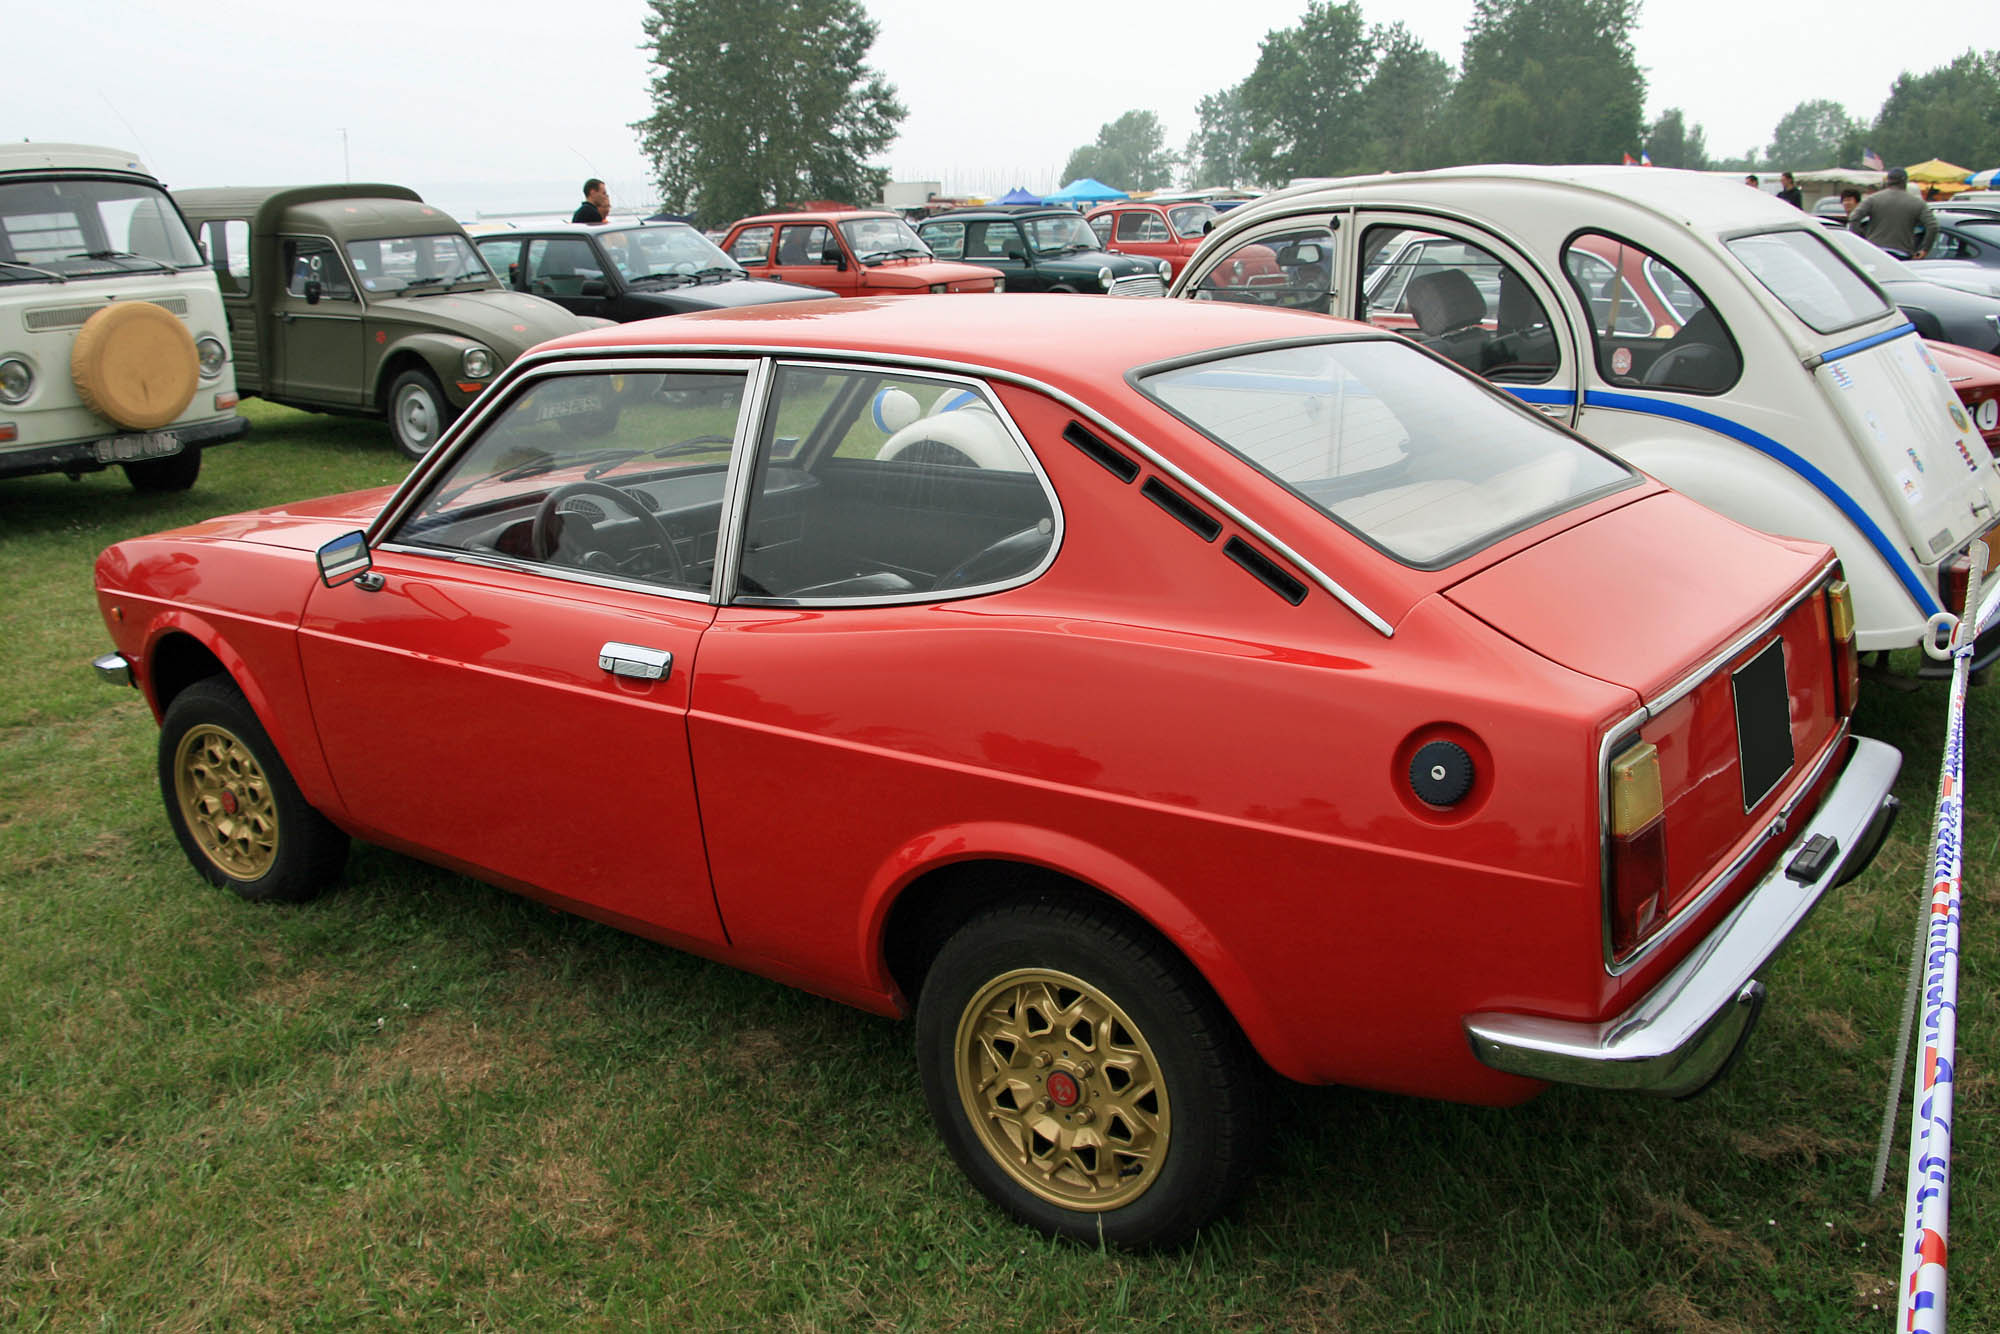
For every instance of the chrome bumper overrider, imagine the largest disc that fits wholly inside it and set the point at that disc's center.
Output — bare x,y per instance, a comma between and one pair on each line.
1684,1031
113,667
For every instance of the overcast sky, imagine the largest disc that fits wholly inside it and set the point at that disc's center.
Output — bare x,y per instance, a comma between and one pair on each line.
509,104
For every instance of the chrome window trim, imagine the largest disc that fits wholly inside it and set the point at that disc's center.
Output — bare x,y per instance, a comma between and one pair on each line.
842,357
1652,708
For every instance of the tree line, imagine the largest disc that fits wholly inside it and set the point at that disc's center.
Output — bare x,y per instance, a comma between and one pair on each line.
1334,95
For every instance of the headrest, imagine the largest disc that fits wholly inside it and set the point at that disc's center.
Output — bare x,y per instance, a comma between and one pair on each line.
1444,300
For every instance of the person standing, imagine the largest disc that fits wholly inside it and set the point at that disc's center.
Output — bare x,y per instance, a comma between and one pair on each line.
1791,193
1891,216
596,205
1753,182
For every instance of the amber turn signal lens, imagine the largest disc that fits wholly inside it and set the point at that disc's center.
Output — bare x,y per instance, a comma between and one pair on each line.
1636,799
1840,610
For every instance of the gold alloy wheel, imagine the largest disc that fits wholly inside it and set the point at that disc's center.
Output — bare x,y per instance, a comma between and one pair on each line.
225,799
1063,1089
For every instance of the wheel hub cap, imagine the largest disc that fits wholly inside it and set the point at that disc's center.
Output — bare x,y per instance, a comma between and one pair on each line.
1063,1089
225,800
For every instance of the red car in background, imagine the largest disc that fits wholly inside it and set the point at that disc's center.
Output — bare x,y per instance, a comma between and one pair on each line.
1145,696
1167,230
854,252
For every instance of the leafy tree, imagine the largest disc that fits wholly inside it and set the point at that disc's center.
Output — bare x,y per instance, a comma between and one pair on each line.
1951,112
1305,96
1549,81
1670,143
1404,102
1810,136
1130,153
1215,150
759,103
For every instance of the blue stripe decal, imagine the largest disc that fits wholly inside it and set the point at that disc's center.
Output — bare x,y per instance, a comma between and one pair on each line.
1873,340
1566,396
1925,599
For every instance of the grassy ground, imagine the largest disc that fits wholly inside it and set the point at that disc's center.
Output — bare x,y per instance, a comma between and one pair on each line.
425,1100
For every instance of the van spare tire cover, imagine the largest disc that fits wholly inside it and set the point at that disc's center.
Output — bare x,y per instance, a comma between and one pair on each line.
135,363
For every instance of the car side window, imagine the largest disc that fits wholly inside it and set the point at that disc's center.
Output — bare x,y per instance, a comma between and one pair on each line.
874,486
946,239
1650,327
994,240
1293,268
311,259
1458,299
1139,225
228,242
752,246
1952,246
503,255
813,244
618,476
1101,224
561,266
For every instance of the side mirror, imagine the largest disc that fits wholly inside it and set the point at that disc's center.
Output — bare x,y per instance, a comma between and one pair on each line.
835,258
313,291
345,559
594,287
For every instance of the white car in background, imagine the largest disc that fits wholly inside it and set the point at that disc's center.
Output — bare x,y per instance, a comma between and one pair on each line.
1705,332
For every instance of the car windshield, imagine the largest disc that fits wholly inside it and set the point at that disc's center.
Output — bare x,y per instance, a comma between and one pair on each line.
1190,219
665,250
1421,461
390,264
1801,270
57,229
873,239
1059,232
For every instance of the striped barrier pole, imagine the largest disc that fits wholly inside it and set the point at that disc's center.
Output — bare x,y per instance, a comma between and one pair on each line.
1927,1204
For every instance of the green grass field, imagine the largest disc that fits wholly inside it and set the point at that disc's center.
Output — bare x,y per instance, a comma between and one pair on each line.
423,1101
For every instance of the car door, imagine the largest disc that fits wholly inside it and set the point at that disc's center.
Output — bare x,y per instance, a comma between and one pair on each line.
1471,297
321,347
998,244
508,690
503,255
569,271
811,254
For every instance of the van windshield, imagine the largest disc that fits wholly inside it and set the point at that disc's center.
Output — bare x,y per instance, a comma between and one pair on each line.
54,230
1422,461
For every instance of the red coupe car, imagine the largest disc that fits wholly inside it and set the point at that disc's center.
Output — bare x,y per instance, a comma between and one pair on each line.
853,252
1145,696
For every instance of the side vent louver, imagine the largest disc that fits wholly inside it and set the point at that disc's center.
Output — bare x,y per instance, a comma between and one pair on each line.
1265,570
1112,460
1197,520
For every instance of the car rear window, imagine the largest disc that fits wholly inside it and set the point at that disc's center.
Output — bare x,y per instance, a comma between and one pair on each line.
1421,461
1801,270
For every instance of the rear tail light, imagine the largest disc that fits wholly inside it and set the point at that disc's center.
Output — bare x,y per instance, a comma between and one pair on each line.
1636,848
1846,657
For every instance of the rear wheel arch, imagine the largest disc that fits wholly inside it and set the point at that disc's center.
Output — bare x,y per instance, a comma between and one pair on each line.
932,906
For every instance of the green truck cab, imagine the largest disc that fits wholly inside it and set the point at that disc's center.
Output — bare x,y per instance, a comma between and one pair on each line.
362,299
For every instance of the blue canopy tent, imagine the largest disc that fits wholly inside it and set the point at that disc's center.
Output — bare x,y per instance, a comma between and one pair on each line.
1019,196
1085,191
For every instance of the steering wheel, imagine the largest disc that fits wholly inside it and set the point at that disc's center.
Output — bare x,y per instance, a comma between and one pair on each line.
543,535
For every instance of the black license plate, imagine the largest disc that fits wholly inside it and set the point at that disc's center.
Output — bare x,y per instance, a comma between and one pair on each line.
1763,723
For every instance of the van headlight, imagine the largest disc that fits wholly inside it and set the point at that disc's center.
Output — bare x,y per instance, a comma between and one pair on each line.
477,362
211,354
17,380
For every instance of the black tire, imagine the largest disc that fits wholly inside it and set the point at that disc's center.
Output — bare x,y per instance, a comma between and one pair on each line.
176,472
1131,1113
233,805
418,412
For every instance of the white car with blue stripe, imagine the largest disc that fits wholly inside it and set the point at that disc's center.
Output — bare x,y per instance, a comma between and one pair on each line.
1703,331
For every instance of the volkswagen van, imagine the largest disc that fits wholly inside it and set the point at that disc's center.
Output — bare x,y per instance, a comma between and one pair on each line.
1704,332
113,347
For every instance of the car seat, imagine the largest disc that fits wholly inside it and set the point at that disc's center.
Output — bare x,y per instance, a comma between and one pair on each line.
1449,309
1699,357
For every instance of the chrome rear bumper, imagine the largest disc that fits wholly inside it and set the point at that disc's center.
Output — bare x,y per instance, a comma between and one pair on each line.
1683,1032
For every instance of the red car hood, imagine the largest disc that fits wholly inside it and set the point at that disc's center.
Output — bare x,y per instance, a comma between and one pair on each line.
303,525
1597,598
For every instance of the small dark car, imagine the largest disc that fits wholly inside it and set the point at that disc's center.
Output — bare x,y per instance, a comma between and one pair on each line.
1042,249
629,272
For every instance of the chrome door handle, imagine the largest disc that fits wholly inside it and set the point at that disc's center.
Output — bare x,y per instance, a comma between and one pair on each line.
635,660
1553,409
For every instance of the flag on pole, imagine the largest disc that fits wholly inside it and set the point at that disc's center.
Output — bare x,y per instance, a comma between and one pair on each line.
1872,160
1629,162
1645,158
